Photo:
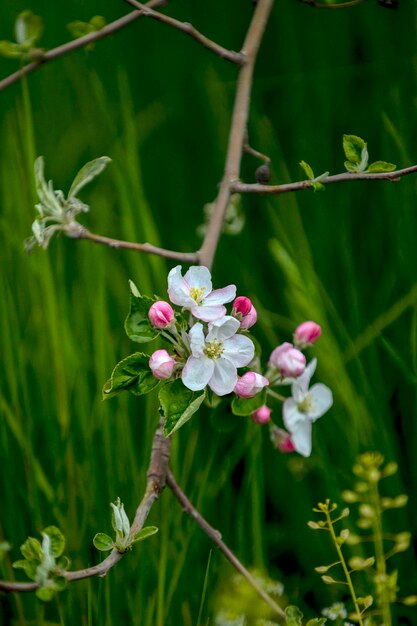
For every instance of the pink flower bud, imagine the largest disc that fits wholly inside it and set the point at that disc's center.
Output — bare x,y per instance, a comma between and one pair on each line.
161,364
250,384
242,305
306,334
288,360
281,439
161,314
249,319
262,415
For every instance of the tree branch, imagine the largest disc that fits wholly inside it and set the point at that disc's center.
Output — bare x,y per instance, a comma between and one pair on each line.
216,538
186,257
186,27
238,187
237,130
80,42
155,483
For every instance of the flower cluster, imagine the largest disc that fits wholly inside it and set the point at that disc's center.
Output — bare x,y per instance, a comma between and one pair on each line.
209,345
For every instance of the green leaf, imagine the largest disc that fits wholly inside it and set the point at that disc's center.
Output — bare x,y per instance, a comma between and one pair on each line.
11,50
317,186
293,616
353,147
353,169
45,594
137,325
178,404
28,28
28,566
103,542
381,166
132,374
31,549
306,167
247,406
317,621
57,540
89,171
146,532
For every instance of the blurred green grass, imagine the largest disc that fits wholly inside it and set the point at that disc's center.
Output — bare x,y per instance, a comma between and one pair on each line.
160,107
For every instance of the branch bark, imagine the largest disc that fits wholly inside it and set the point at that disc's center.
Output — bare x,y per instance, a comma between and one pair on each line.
237,133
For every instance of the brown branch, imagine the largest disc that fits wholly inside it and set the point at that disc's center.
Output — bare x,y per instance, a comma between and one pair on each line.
238,187
80,42
237,130
186,27
83,233
216,538
155,483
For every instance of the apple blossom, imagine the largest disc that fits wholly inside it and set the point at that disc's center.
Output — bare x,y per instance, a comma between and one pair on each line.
161,364
305,407
281,439
242,305
215,358
289,361
262,415
244,311
250,384
194,291
306,333
161,314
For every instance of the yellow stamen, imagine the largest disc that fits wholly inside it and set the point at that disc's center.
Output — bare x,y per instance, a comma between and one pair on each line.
306,405
197,293
214,349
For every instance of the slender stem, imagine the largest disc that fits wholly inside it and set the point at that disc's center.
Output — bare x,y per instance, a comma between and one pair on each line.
83,233
216,538
186,27
343,564
380,558
156,482
80,42
238,187
237,130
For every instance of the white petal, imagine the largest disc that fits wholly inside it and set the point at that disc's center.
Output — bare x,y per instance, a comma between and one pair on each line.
221,296
301,438
300,385
208,313
239,350
197,340
178,291
199,277
223,328
224,377
291,415
321,398
197,372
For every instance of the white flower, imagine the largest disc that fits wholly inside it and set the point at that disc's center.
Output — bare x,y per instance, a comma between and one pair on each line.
336,610
304,408
194,291
214,358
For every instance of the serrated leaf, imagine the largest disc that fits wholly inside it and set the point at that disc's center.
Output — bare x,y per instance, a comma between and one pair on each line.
103,542
137,325
381,166
293,616
57,540
11,50
89,171
31,549
353,147
247,406
131,374
178,404
28,28
28,566
351,167
307,169
144,533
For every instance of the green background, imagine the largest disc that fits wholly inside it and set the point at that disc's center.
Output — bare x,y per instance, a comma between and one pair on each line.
160,105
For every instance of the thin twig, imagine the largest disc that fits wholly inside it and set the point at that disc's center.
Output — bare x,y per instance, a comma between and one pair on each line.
216,538
237,130
186,27
186,257
238,187
80,42
156,482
